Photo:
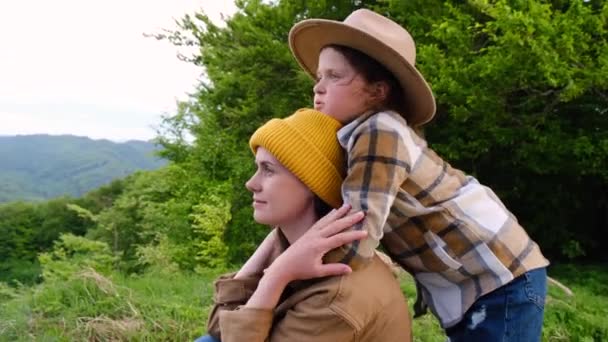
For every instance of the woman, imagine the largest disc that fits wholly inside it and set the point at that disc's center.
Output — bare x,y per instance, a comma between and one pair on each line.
298,178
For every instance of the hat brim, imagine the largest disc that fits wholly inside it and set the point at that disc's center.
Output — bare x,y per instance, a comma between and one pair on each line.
308,37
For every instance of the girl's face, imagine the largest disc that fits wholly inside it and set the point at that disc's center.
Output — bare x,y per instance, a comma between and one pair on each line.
340,91
279,197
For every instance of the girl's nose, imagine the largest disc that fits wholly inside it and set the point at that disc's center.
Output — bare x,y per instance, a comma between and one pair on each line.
319,87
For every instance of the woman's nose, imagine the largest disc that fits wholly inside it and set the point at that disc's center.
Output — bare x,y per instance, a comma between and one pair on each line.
251,184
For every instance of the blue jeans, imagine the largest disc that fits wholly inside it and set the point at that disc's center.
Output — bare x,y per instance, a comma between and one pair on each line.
207,338
513,312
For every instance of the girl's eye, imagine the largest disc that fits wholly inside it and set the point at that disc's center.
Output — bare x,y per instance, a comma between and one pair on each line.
332,76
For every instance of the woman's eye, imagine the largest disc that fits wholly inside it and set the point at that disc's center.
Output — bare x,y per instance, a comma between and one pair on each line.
266,170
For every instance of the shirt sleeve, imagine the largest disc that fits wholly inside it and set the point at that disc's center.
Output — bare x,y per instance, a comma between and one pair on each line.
378,164
306,322
228,295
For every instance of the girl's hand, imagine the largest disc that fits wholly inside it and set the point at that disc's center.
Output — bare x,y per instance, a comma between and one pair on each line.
304,258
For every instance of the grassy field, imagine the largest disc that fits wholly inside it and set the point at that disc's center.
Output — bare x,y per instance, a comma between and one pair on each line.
582,317
173,307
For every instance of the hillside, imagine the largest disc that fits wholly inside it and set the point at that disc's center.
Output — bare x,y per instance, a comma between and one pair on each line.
38,167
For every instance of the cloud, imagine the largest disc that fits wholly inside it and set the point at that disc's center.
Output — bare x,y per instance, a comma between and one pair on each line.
92,55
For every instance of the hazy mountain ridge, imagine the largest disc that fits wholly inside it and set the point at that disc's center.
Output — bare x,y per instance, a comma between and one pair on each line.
37,167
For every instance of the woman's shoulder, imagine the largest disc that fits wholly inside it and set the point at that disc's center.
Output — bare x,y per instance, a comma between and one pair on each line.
362,294
365,299
371,294
373,282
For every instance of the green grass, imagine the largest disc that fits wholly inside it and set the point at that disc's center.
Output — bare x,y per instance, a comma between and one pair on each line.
161,306
92,307
584,316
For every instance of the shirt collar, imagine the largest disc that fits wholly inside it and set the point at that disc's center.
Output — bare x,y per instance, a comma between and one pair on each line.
346,132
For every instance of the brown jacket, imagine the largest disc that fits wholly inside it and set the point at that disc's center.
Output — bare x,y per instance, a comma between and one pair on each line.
366,305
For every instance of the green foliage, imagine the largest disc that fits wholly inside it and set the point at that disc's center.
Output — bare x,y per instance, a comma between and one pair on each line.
146,208
84,298
209,221
173,307
164,219
29,228
250,77
7,292
520,86
38,167
581,317
424,328
72,253
82,212
90,306
15,271
159,257
525,80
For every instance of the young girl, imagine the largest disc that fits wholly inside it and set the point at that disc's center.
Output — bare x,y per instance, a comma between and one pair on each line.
475,266
300,170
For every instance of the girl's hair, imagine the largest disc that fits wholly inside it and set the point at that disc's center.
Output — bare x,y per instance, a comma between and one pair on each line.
372,71
321,208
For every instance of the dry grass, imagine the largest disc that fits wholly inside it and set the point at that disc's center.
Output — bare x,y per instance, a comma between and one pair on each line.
104,284
108,329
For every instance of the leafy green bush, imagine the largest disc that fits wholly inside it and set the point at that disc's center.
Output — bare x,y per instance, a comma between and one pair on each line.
73,253
210,218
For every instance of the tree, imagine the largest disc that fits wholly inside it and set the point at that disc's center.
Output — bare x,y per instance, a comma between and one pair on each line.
521,88
27,229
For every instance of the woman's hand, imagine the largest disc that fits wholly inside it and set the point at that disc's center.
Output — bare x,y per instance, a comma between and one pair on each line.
304,258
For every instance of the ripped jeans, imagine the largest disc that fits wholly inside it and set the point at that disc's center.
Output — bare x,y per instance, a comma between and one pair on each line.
513,312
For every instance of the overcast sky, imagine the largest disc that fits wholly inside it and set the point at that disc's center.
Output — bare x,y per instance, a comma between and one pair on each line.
83,67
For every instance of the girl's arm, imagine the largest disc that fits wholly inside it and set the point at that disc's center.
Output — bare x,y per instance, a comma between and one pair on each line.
379,162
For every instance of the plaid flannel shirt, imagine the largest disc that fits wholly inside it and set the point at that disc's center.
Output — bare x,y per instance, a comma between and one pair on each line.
452,233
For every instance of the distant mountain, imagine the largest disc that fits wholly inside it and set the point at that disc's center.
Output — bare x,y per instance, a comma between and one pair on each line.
38,167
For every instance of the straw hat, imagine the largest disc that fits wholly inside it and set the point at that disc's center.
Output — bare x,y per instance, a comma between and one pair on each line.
378,37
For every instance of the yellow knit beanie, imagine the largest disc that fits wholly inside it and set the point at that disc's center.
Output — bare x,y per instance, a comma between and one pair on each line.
307,145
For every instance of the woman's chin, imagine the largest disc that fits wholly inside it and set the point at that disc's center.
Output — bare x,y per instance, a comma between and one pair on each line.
262,218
